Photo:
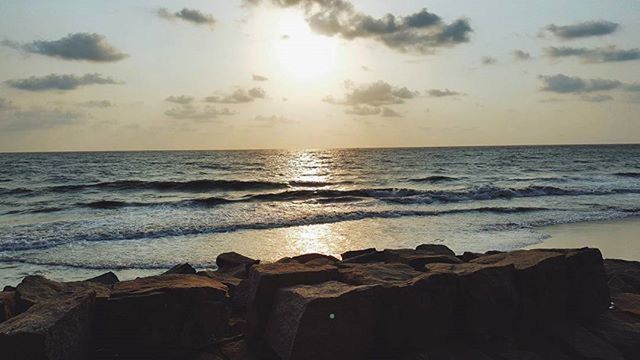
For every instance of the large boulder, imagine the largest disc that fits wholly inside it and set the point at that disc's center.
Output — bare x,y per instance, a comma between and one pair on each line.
226,278
166,314
315,259
487,297
266,279
233,259
185,269
331,320
417,309
435,249
59,328
417,259
623,276
353,253
363,256
542,283
36,289
7,305
627,303
108,278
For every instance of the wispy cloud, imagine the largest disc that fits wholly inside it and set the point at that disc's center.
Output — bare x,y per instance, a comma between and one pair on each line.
564,84
521,55
583,29
59,82
597,55
374,94
39,118
78,46
488,60
100,104
182,99
239,96
255,77
442,93
189,15
190,112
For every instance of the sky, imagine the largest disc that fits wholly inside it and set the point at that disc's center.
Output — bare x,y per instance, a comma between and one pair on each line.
300,74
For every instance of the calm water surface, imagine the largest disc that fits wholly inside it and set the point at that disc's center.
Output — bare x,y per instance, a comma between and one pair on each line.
73,215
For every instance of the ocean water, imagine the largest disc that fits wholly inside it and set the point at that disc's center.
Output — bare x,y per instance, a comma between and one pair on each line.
73,215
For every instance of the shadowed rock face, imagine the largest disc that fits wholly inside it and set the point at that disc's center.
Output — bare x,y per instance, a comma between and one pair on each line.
36,289
105,279
59,328
7,305
233,259
331,320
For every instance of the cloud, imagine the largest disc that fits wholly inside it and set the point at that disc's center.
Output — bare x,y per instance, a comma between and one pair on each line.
239,96
255,77
100,104
59,82
182,99
363,110
583,29
596,98
388,112
79,46
365,68
488,60
521,55
272,120
190,112
6,105
597,55
39,118
421,32
374,94
442,93
189,15
564,84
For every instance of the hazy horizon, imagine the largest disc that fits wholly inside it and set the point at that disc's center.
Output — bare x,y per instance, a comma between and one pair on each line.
316,74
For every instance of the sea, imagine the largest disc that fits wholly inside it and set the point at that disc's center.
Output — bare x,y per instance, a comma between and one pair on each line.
70,216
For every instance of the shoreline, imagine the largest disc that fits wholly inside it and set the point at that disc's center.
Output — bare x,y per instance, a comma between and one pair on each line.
616,239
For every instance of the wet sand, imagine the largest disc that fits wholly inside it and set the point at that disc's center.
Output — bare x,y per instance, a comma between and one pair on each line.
616,239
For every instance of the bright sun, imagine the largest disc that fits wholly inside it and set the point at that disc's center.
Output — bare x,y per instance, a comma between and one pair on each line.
301,53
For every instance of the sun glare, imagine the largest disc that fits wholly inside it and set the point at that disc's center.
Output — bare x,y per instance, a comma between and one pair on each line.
301,53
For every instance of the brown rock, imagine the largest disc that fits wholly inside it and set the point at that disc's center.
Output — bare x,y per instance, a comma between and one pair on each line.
305,258
59,328
228,279
263,282
627,303
487,297
160,315
623,276
236,350
363,257
354,253
582,344
436,249
240,297
7,305
620,331
417,259
233,259
108,279
35,289
331,320
185,269
468,256
542,284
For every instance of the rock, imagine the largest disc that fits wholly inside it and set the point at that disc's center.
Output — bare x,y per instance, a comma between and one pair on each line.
263,282
7,305
623,276
331,320
228,279
184,269
542,283
436,249
240,297
236,350
59,328
160,315
417,308
417,259
363,257
468,256
233,259
588,289
487,297
9,288
582,344
105,279
35,289
619,331
353,253
629,304
325,259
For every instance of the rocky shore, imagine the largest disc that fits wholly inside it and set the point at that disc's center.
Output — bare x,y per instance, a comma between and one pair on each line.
423,303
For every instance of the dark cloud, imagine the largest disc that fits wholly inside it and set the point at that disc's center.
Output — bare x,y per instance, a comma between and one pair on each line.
597,55
182,99
59,82
442,93
78,46
521,55
374,94
190,112
39,118
100,104
488,60
596,98
239,96
255,77
190,15
389,112
564,84
421,32
583,29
